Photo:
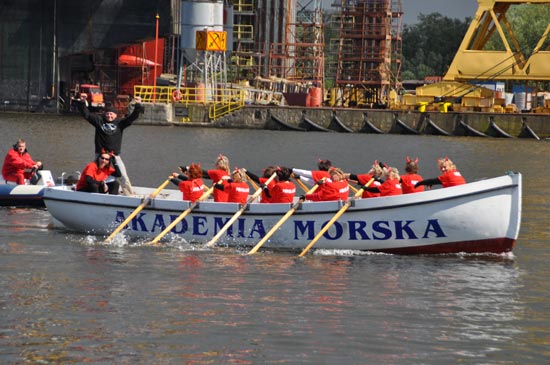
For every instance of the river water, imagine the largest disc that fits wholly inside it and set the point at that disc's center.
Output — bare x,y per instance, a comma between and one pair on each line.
66,298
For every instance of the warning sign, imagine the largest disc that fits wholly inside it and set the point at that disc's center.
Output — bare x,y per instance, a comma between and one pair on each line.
211,41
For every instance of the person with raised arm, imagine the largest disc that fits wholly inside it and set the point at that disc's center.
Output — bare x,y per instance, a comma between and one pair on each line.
108,134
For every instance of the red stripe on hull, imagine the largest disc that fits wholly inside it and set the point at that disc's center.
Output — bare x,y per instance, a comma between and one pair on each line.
495,245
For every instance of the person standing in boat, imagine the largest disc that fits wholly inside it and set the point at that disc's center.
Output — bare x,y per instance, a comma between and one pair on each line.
190,182
376,172
108,134
18,164
268,171
411,178
236,188
94,177
450,175
334,188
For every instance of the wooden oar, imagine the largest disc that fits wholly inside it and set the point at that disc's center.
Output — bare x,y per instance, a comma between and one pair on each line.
137,210
205,195
238,213
253,183
281,222
335,218
353,188
302,185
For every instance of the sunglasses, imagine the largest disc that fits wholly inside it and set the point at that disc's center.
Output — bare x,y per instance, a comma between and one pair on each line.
104,159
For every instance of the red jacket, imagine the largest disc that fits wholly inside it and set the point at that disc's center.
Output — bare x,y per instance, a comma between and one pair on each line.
283,192
451,178
265,198
365,178
408,181
331,190
192,189
96,173
237,192
390,187
217,175
15,164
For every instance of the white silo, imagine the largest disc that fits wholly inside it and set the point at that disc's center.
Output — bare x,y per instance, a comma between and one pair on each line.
198,15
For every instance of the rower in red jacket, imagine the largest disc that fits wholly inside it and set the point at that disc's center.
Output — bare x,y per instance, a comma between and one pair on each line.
313,176
236,188
335,188
284,190
409,180
190,182
376,172
266,196
391,184
450,175
221,172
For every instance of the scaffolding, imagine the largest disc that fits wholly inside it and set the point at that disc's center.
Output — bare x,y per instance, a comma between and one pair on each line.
300,58
368,48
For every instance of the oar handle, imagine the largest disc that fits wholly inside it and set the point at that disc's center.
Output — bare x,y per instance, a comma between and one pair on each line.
238,213
335,218
137,210
299,182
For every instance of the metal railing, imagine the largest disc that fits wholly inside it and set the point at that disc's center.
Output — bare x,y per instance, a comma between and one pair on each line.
220,101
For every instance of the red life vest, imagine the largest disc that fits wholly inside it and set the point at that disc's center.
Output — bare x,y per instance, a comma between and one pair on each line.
451,178
217,175
283,192
408,181
192,189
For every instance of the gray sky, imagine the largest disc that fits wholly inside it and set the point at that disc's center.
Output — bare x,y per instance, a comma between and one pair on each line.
459,9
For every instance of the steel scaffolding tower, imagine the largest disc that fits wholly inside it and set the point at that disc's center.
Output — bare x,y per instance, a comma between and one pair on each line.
368,60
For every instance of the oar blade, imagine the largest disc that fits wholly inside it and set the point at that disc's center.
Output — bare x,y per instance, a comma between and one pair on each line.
138,209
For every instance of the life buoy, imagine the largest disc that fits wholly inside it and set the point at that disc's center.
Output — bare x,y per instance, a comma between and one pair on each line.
176,95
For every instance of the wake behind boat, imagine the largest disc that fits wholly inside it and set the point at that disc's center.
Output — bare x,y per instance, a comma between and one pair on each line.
478,217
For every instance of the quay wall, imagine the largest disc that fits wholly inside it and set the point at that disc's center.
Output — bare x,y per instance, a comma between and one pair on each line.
528,125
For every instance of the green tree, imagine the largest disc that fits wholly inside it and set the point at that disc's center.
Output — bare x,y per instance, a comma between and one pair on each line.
429,46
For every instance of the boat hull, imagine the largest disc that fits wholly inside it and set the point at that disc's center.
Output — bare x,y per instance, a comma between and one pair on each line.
21,195
26,196
478,217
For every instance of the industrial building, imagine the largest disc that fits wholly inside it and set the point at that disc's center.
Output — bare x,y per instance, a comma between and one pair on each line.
49,47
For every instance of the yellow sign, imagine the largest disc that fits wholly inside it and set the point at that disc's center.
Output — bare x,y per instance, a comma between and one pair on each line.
211,41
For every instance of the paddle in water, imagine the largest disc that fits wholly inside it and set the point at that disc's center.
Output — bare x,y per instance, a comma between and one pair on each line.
137,210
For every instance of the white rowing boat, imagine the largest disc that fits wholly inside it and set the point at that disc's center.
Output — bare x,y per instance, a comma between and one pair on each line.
478,217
